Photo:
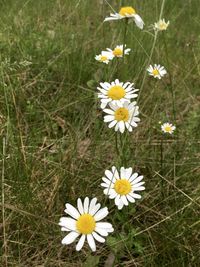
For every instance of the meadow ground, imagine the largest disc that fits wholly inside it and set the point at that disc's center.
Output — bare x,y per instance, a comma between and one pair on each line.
55,146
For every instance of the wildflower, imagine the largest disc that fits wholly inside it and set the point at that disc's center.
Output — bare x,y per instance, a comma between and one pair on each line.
161,25
122,186
116,92
122,117
85,222
127,12
119,50
157,71
168,128
104,57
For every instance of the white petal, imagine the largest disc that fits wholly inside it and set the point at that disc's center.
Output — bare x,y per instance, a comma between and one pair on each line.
128,172
139,188
68,223
68,239
130,199
117,200
72,211
135,195
109,111
133,177
124,200
112,124
63,229
115,172
98,237
107,191
104,225
121,126
92,204
86,205
95,209
91,242
108,118
138,21
138,184
102,213
109,174
80,243
116,127
137,180
113,194
101,231
120,205
80,206
122,172
108,181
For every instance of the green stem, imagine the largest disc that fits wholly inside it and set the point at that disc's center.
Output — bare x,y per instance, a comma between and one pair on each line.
171,80
124,39
161,165
116,145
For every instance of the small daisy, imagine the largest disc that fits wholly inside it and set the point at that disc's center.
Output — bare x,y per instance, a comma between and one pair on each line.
84,221
118,51
127,12
157,71
122,186
122,117
168,128
161,25
104,57
116,92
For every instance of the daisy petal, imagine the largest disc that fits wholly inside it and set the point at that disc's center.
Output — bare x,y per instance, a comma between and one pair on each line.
70,238
72,211
91,242
80,243
102,213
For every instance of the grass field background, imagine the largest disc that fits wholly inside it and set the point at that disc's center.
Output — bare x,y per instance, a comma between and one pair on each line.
55,146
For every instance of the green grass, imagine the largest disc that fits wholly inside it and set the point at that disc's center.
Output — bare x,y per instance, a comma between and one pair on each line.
55,146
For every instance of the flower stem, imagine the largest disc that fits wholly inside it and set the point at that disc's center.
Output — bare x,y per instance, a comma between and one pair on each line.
124,38
161,165
170,78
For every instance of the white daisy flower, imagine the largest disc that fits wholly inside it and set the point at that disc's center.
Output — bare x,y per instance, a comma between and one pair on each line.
118,51
161,25
122,186
104,57
168,128
116,92
122,117
127,12
85,221
157,71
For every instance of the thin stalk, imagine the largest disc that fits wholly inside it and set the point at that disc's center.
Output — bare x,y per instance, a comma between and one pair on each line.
152,51
124,38
161,165
116,146
3,206
170,78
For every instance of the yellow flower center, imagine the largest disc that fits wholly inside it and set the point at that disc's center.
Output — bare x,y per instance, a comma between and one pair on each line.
85,224
116,92
122,187
127,10
162,26
168,129
117,52
122,114
155,72
103,58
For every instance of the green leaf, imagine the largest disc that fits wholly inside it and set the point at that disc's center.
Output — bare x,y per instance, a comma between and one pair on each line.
91,261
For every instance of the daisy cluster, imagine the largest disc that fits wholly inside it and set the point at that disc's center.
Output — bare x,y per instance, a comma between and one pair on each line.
118,101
